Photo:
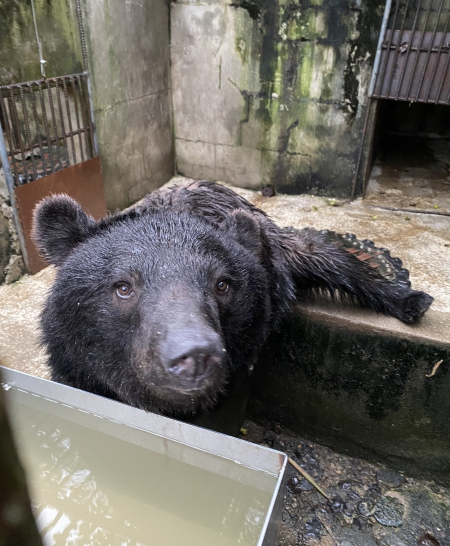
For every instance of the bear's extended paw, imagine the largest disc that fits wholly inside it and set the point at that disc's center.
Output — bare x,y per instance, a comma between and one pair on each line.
414,305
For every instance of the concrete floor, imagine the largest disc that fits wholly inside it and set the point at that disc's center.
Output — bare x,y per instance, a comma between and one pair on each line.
22,302
422,241
412,173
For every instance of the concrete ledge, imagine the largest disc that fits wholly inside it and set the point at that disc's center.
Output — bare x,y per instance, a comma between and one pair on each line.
433,328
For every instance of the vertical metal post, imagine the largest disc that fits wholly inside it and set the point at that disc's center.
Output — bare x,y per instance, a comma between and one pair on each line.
55,128
82,38
69,121
394,60
376,64
358,162
388,49
46,127
85,117
77,116
93,127
16,127
61,118
12,196
91,114
38,130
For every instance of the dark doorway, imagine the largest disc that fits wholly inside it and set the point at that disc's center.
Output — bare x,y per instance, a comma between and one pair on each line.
412,156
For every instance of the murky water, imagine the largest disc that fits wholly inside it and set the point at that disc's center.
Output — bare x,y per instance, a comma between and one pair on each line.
94,488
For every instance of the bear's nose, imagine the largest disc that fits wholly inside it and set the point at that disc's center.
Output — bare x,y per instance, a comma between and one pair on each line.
194,367
192,355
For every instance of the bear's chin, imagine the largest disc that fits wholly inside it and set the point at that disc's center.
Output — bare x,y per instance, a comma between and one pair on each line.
175,400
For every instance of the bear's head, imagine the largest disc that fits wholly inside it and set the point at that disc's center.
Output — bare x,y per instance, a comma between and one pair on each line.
154,310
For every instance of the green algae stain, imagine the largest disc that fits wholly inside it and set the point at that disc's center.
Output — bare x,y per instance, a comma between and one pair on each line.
59,35
306,63
241,48
303,79
326,89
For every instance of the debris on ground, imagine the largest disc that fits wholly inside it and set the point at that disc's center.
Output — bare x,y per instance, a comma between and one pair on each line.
369,505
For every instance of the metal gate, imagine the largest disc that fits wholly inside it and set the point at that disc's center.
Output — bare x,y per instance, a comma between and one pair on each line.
412,62
48,145
47,124
413,52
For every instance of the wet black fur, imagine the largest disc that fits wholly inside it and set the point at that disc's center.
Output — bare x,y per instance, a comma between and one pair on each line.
172,248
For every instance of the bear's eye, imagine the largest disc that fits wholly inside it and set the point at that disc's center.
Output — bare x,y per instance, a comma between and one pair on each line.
222,286
124,290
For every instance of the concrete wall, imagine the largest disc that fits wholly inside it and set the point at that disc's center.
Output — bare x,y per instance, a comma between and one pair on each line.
58,30
11,262
272,91
128,49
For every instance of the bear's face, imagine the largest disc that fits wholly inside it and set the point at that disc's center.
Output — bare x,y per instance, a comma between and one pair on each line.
153,310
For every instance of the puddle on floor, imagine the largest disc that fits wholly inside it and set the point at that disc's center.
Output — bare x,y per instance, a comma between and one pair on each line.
412,173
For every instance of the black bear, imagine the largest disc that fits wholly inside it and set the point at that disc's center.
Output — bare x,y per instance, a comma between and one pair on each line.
156,306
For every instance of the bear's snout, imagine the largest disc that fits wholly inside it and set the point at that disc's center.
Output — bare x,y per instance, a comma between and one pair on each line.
192,356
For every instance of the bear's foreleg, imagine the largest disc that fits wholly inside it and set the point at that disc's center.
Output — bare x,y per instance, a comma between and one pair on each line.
317,266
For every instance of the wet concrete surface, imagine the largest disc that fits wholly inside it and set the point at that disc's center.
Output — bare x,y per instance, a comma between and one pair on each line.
412,173
369,505
21,303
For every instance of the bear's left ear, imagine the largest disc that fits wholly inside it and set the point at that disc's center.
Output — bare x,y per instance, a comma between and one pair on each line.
59,225
246,230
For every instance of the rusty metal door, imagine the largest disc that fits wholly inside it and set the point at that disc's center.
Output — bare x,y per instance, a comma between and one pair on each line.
413,55
48,145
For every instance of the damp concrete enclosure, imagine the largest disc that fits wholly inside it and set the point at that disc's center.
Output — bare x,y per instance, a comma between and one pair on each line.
246,92
251,93
128,52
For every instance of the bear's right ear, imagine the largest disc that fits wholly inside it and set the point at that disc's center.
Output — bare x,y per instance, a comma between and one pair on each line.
59,225
247,230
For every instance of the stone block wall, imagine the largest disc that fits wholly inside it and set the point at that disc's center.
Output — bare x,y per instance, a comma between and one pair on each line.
11,262
272,91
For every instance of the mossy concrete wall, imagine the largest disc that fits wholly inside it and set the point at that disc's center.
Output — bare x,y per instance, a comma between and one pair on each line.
58,30
272,91
128,50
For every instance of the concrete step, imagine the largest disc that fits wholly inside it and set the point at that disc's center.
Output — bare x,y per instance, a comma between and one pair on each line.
340,374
